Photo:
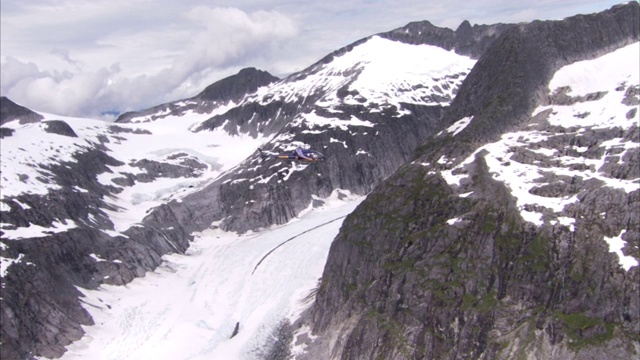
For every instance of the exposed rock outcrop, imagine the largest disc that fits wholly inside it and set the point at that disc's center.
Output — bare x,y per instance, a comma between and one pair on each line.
511,78
10,111
465,40
59,127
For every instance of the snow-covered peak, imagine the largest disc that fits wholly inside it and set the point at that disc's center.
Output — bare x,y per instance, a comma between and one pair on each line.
377,73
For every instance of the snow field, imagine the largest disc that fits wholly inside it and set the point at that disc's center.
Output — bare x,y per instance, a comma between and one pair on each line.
388,73
189,306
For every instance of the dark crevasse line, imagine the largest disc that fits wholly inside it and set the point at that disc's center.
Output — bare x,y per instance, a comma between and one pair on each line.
293,237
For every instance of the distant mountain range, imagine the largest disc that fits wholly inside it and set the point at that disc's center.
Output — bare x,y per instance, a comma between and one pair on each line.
500,164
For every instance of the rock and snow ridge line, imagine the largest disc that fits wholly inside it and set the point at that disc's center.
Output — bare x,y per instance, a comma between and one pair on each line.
372,57
378,73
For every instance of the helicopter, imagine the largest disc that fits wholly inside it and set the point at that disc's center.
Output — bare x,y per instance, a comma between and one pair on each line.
299,154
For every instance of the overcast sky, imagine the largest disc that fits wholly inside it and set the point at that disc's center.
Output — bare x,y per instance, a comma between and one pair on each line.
83,58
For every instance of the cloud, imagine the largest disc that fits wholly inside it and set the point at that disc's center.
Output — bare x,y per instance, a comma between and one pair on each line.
212,41
55,92
231,36
64,55
14,71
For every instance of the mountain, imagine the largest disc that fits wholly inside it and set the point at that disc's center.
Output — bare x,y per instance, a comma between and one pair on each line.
514,233
230,89
448,256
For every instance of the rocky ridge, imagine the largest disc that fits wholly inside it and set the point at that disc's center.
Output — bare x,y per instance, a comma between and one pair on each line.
10,111
228,90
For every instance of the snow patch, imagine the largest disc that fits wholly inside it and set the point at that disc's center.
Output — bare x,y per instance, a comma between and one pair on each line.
459,125
33,230
615,245
5,263
312,120
453,221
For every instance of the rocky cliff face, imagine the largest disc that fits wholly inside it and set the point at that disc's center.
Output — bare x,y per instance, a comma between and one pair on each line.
76,246
492,243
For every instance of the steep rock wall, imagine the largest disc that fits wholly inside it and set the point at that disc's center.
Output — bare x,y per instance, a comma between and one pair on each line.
420,272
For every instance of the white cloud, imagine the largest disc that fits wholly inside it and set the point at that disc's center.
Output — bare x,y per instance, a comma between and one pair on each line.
185,61
14,71
62,93
230,36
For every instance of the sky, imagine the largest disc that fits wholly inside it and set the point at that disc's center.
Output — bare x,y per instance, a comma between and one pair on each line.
98,58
